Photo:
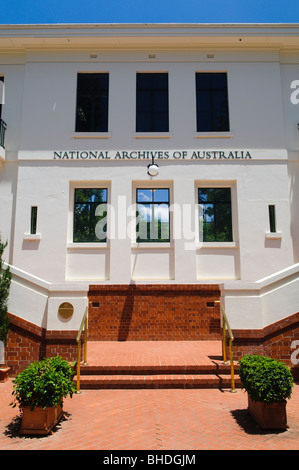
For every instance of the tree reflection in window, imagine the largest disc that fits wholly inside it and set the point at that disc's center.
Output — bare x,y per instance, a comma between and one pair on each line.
90,214
215,215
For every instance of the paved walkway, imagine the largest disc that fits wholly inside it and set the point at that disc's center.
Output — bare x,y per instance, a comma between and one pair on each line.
164,354
151,420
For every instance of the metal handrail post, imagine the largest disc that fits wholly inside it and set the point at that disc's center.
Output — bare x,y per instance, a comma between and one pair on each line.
224,340
232,370
78,365
83,325
85,341
225,325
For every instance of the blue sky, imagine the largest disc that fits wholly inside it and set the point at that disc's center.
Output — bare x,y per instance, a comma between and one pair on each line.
150,11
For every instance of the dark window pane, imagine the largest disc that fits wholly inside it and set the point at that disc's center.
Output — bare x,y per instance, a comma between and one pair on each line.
152,102
90,212
215,214
33,221
212,102
272,218
92,102
91,195
214,194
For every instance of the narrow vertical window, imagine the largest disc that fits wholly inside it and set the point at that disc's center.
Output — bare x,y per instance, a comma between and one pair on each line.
212,102
272,218
92,102
33,220
152,102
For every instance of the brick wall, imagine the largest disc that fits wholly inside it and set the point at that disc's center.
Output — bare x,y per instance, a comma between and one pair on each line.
120,313
274,340
28,343
25,344
153,312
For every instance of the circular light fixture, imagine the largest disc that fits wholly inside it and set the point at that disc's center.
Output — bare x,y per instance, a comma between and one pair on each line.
152,169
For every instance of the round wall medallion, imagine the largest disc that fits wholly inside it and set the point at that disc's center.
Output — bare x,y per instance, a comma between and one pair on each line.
65,310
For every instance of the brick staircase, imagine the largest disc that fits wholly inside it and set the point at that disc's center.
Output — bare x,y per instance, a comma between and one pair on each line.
139,365
99,377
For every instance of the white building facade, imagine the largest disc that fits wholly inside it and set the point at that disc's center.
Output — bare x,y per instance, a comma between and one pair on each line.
214,108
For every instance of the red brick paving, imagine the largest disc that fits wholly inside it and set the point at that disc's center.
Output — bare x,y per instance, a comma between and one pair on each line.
152,420
162,353
163,419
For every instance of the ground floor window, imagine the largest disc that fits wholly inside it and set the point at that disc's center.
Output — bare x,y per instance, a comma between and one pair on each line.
90,214
153,220
215,214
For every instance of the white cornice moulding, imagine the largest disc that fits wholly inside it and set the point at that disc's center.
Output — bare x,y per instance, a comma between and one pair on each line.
174,35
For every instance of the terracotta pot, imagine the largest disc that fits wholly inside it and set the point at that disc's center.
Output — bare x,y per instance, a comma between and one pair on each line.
268,415
40,420
4,373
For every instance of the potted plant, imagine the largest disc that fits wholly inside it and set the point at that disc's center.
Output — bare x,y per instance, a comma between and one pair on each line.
268,383
39,391
5,280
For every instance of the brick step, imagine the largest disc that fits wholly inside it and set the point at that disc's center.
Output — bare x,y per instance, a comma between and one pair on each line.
154,369
170,380
157,376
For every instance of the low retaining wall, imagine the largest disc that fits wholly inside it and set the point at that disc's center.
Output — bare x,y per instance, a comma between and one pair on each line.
28,343
279,340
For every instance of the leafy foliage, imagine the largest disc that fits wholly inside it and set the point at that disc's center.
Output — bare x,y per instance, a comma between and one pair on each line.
43,383
265,379
5,280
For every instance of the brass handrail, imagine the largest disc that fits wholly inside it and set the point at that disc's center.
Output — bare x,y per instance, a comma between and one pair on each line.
79,341
226,326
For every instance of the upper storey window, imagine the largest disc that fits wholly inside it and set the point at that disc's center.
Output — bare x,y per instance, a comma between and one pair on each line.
152,102
212,102
92,102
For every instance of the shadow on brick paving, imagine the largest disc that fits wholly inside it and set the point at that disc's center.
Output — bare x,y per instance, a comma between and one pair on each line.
13,428
249,426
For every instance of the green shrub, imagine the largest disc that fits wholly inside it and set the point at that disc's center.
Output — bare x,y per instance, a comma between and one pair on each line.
265,379
43,383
